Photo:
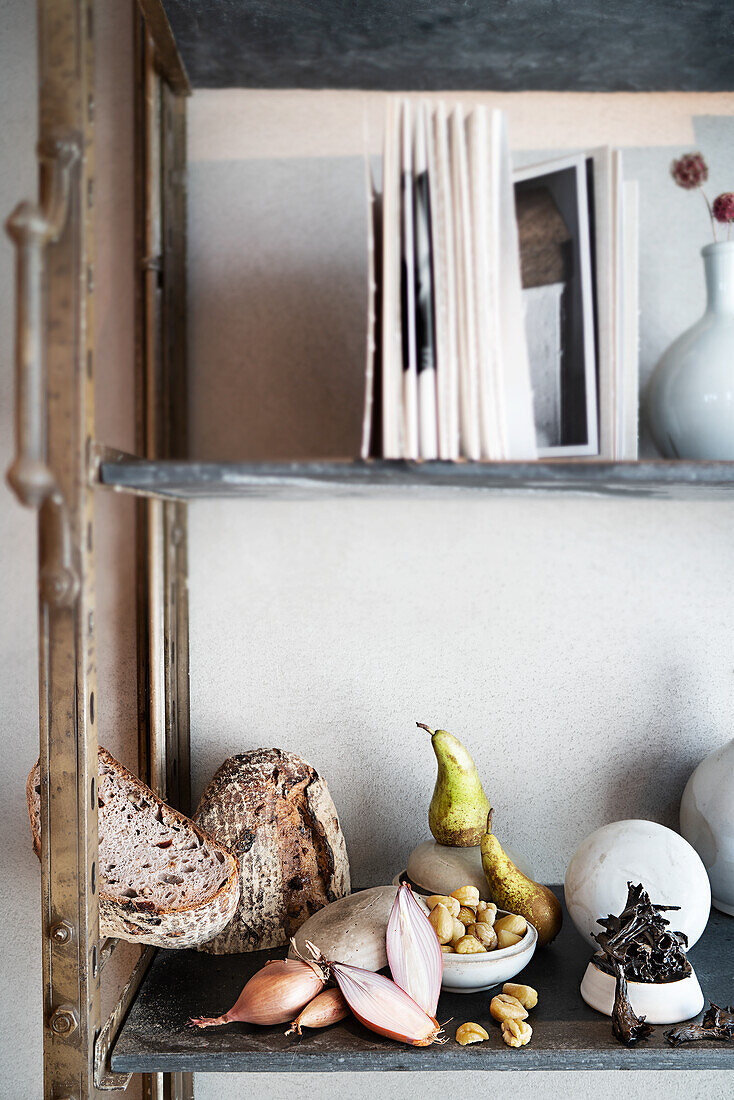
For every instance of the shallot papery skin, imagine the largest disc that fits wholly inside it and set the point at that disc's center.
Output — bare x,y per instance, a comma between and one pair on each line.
273,995
327,1008
413,951
384,1007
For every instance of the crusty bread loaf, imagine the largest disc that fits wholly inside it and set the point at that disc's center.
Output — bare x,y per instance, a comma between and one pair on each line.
275,813
161,880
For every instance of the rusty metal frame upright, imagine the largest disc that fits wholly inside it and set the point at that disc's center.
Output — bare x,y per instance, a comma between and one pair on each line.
54,429
54,471
160,309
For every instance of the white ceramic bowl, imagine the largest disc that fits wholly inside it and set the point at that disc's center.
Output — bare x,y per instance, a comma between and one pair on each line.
663,1003
473,973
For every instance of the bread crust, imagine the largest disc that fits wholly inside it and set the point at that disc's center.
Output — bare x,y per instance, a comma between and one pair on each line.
275,813
142,920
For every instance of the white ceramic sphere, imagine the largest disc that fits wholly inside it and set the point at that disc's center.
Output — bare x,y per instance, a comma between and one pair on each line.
637,851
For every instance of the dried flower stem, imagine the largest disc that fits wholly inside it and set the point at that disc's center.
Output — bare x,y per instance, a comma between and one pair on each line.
711,213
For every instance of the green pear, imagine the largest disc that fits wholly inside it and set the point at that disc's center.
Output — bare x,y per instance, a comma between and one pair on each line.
510,889
459,806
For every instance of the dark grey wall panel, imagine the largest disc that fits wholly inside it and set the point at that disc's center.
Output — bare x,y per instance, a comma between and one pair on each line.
506,45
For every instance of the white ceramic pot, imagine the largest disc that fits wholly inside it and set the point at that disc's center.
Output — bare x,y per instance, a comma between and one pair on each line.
659,1003
707,822
637,851
690,398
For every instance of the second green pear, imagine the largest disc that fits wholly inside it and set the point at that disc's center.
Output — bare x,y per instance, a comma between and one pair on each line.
458,812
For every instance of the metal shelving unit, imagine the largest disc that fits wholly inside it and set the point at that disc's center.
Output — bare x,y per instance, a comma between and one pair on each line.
59,468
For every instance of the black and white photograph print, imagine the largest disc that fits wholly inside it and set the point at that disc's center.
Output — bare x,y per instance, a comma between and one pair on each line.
555,225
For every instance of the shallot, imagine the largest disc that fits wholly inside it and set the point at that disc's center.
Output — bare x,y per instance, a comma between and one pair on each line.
381,1005
413,951
327,1008
273,995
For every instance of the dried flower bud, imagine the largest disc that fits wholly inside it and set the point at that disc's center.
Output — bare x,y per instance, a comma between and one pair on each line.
723,207
690,171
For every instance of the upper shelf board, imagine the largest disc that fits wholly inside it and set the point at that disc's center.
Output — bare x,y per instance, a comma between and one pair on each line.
429,45
192,480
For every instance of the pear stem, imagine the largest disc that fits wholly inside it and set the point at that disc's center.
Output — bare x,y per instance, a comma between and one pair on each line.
489,820
423,726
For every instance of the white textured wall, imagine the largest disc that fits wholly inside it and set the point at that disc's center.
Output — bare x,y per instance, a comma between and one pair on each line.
522,1085
20,988
582,649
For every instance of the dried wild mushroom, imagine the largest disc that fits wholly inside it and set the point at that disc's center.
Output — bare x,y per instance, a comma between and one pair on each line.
639,940
718,1023
626,1027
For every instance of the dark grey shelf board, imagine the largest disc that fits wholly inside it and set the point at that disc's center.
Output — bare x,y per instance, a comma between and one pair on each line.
567,1035
192,480
501,45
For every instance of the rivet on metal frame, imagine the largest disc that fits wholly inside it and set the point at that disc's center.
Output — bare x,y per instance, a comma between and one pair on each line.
61,933
64,1020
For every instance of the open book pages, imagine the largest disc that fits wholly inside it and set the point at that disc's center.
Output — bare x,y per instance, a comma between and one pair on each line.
447,361
629,326
408,307
391,358
372,419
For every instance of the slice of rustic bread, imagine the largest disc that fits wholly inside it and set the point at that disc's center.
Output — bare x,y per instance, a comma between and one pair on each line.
161,879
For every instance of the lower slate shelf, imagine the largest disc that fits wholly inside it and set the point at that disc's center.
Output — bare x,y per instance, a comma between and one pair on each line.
566,1034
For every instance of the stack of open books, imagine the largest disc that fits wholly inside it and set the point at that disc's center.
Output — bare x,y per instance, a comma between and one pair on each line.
502,307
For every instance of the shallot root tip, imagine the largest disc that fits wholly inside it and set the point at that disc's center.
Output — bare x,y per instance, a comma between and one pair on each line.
208,1021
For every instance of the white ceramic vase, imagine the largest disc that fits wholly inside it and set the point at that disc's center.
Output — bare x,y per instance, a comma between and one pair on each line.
707,822
690,398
